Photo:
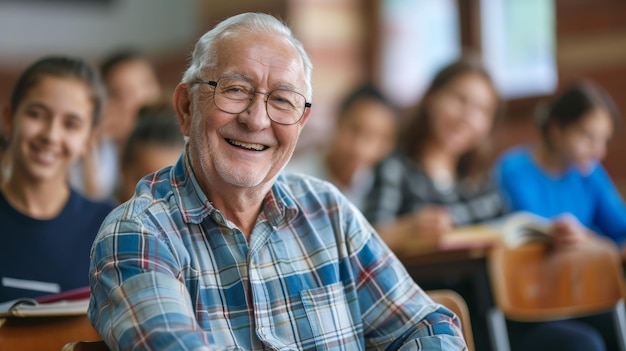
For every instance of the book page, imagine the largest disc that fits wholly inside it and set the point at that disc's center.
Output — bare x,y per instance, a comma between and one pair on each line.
59,308
471,236
523,227
7,306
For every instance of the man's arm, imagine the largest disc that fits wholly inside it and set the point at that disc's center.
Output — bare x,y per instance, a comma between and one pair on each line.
139,300
397,313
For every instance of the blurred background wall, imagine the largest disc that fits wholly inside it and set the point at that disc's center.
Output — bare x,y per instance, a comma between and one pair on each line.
348,40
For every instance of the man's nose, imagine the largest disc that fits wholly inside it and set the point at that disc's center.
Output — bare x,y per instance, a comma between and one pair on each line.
256,115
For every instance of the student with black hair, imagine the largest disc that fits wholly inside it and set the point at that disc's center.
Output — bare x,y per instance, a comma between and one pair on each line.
47,226
562,177
131,83
365,132
155,142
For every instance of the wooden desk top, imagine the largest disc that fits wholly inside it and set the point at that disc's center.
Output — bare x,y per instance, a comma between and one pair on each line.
470,242
44,333
468,245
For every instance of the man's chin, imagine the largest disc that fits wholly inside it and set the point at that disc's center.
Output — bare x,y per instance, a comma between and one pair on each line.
242,178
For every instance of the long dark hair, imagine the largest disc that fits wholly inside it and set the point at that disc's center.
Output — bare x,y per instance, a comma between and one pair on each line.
418,129
570,105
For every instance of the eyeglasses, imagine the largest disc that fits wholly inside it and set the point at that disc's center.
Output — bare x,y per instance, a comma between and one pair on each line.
234,95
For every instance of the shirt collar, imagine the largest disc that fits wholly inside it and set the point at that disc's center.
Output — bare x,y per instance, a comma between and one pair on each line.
193,203
278,206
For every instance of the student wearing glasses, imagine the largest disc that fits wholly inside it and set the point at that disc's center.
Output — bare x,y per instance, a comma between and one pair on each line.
224,251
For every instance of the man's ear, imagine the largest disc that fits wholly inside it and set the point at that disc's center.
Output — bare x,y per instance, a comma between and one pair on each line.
182,105
305,117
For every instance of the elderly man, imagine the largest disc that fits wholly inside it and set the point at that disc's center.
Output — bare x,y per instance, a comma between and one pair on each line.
224,251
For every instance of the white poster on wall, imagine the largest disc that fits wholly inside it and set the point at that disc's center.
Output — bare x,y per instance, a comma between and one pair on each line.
418,38
518,45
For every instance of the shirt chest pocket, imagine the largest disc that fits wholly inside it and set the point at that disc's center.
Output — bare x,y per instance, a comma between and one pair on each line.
333,315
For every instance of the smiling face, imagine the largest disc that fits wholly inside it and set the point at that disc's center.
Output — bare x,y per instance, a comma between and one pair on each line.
50,129
245,150
462,113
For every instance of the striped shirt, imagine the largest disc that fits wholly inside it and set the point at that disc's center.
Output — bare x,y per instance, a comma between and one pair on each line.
170,272
401,187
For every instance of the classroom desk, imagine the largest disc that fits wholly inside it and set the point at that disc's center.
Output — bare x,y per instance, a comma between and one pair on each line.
460,256
461,259
458,262
458,251
44,333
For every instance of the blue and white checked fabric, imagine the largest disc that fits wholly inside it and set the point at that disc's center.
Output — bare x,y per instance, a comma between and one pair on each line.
170,272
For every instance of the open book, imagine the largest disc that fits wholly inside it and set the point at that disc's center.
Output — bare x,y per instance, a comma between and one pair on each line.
523,227
512,230
67,303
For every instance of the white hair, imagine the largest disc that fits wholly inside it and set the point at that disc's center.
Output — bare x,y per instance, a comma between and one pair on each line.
204,54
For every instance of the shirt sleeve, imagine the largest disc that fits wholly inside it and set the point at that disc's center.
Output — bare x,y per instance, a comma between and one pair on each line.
138,299
397,313
610,213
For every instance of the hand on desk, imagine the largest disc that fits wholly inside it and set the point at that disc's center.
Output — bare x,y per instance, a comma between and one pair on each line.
421,230
432,222
568,231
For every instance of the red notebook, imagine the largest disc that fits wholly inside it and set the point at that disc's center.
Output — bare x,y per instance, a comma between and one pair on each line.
74,294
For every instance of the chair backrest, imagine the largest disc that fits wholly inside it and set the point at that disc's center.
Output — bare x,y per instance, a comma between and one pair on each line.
533,282
456,304
85,346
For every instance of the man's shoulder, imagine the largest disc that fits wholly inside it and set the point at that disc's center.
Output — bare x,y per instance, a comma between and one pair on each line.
152,200
309,162
303,188
301,182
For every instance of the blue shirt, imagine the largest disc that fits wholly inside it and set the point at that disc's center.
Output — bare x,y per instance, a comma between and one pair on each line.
41,257
591,198
170,272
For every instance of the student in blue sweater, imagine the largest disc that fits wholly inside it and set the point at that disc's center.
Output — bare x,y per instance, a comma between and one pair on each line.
561,177
46,228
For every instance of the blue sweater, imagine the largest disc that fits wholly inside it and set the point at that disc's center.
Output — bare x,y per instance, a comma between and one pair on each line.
52,253
591,198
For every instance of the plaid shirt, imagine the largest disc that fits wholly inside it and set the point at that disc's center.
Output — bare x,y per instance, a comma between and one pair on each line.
170,272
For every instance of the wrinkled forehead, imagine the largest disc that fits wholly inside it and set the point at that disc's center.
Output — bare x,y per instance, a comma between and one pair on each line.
257,57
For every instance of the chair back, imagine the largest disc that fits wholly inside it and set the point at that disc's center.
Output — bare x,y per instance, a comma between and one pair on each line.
455,302
85,346
533,282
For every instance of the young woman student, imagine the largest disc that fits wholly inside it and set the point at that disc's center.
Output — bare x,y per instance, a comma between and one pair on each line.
47,227
561,177
441,178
